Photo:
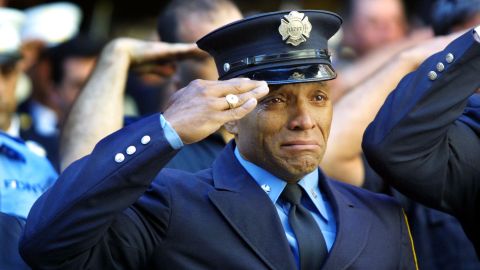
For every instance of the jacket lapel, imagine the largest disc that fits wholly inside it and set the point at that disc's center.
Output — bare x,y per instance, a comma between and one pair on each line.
249,211
353,227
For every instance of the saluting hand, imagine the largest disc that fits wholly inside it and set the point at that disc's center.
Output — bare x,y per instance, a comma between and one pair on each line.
150,56
201,108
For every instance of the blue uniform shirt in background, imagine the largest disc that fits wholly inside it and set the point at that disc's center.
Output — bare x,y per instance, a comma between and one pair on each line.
24,176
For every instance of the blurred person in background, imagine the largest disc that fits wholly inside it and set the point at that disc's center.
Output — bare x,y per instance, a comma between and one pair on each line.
372,24
45,26
428,148
182,21
186,22
24,172
374,31
439,239
435,132
450,16
69,65
10,56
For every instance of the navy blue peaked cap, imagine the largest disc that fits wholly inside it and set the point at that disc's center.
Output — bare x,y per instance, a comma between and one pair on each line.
279,47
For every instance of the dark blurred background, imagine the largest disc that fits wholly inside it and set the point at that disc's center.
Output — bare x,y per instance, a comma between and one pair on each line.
108,18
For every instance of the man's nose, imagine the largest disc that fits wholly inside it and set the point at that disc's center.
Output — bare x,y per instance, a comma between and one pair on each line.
301,118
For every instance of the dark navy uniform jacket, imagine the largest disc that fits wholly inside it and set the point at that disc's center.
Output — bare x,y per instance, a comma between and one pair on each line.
440,241
425,139
105,212
10,231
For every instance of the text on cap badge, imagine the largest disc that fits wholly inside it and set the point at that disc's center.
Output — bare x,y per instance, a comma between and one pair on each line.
295,28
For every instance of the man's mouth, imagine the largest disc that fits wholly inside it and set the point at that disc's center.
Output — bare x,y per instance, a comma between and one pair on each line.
300,145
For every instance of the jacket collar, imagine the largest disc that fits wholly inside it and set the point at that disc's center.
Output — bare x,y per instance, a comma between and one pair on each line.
253,216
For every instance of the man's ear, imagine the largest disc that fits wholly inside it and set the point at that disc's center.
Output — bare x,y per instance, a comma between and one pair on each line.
232,127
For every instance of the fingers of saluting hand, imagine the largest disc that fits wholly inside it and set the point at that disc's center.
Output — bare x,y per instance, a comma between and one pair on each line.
141,51
214,93
201,108
233,86
164,50
230,95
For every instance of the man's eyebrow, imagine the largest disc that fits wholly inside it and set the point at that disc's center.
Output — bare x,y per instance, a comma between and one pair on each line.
322,84
273,87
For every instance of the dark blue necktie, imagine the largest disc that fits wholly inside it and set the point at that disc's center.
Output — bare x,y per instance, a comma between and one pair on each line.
311,244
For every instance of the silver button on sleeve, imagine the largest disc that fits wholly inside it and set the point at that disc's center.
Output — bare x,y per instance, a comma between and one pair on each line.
131,150
432,75
145,139
119,157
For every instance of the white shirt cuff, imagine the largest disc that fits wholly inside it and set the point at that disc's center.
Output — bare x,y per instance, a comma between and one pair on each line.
476,33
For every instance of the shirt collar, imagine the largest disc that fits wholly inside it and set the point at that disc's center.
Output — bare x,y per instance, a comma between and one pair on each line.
273,186
10,148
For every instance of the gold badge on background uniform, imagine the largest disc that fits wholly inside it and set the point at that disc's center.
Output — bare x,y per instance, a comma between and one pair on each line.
295,28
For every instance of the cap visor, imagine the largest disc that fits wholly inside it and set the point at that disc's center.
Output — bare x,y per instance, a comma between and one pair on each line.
296,74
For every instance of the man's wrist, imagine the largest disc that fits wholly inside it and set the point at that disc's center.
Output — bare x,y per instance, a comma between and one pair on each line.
117,52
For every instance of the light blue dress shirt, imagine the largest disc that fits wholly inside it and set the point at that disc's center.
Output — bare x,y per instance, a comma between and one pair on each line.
170,133
316,202
24,176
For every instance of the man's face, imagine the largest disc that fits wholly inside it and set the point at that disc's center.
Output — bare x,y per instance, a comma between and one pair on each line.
9,74
287,132
192,29
75,73
376,23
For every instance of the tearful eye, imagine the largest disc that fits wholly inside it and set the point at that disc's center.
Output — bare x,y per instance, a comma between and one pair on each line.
320,98
274,100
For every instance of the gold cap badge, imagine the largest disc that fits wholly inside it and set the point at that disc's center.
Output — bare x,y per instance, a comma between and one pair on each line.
295,28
